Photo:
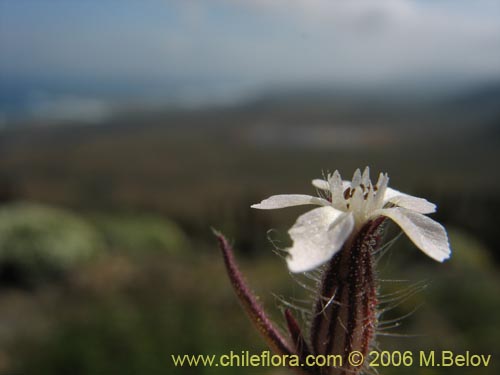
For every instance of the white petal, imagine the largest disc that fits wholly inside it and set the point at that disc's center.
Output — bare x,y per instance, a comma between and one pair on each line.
408,201
289,200
334,182
356,178
370,199
321,184
383,180
378,198
317,236
357,201
346,184
337,187
428,235
365,179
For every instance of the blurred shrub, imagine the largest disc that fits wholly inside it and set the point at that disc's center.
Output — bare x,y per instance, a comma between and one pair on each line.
37,241
175,305
470,254
140,233
109,340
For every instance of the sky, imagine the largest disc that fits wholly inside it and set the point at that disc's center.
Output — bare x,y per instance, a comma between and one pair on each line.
80,55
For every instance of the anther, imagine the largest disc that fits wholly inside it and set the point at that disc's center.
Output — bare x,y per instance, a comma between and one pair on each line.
347,193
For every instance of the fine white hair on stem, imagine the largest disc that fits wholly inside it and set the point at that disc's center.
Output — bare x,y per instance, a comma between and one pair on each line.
304,285
392,300
391,326
371,370
384,323
379,254
282,303
415,285
279,251
393,280
406,335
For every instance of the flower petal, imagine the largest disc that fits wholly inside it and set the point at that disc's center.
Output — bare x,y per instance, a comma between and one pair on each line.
321,184
338,188
410,202
428,235
356,178
289,200
365,178
357,201
317,236
325,185
381,187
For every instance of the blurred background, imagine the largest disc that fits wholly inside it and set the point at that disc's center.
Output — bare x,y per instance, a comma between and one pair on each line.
128,129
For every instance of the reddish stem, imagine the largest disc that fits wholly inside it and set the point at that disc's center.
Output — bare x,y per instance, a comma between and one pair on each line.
249,302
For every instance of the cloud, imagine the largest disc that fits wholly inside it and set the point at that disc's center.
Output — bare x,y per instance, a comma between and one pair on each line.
374,40
247,43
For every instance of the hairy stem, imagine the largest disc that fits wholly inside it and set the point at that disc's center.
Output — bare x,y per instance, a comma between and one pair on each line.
345,312
249,302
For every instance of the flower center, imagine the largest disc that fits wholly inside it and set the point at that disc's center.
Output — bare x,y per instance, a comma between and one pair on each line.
367,192
349,192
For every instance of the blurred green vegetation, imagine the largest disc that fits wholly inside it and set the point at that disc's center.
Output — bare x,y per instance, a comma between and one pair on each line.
125,271
148,291
40,241
140,233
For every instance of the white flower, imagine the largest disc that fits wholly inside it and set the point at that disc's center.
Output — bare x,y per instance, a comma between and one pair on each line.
318,234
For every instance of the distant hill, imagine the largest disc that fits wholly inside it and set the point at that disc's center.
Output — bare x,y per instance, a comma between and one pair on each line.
476,107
